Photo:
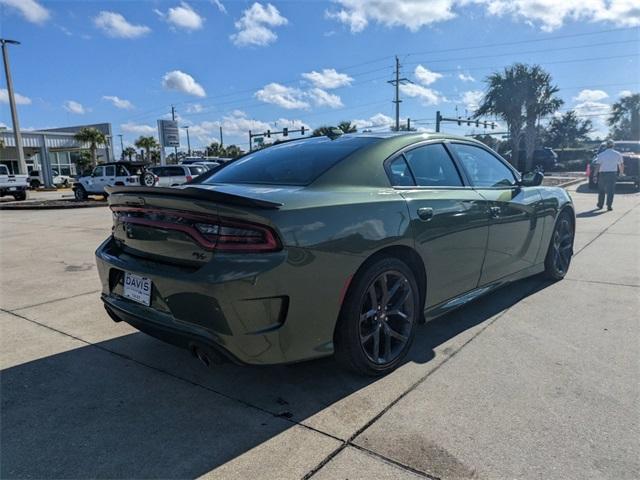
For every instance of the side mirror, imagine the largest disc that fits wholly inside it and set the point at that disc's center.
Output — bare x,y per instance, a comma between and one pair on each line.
532,179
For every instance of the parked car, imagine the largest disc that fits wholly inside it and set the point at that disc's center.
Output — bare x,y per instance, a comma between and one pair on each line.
14,185
174,175
208,165
630,151
545,158
322,246
190,160
36,179
113,174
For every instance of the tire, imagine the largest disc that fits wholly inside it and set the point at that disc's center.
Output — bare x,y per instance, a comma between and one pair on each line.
148,179
34,184
80,193
560,251
367,319
20,196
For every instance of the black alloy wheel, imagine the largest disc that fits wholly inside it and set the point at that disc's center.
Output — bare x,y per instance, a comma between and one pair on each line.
561,248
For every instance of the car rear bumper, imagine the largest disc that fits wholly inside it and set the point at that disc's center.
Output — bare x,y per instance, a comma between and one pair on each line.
259,309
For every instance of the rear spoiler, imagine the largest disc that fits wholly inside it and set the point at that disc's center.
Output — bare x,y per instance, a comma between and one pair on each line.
195,193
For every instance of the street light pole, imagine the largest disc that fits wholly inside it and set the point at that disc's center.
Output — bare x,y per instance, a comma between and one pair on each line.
22,165
121,147
188,141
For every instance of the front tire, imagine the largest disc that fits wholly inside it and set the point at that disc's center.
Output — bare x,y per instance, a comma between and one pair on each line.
560,252
80,193
18,197
34,184
377,322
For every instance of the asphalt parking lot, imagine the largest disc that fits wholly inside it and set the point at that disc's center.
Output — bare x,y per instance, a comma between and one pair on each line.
537,380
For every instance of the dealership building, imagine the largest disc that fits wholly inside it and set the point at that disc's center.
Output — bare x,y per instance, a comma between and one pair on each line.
52,149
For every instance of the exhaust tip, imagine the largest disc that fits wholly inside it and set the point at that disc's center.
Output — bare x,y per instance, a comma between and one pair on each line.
206,355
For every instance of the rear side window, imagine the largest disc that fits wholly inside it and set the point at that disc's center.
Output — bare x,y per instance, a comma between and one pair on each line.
110,170
432,166
292,163
196,170
400,173
483,168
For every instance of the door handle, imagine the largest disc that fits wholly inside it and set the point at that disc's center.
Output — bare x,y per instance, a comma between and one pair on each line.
425,213
494,212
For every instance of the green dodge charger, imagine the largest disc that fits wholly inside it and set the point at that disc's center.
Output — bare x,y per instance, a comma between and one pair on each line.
328,245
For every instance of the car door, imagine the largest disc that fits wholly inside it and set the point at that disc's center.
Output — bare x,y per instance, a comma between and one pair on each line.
109,176
448,219
516,226
95,183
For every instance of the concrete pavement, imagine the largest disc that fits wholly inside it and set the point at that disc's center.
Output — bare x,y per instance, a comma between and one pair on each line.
537,380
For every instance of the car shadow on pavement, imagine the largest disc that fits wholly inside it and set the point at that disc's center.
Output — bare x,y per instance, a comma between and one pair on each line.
98,411
621,189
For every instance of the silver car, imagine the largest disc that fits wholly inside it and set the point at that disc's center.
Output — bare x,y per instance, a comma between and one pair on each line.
174,175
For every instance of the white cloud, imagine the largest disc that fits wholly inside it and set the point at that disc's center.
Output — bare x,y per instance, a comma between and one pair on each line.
597,112
548,14
283,96
77,108
138,129
115,25
378,120
219,5
31,10
411,14
118,102
20,99
328,79
465,77
426,76
625,93
183,16
590,95
182,82
255,25
427,96
194,108
322,98
471,99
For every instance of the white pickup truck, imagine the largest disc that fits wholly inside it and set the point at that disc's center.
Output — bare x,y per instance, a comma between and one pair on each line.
14,185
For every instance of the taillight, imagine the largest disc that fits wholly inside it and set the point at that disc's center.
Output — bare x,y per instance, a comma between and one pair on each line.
189,178
210,232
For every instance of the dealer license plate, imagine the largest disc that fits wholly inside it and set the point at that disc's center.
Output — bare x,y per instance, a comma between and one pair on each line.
137,288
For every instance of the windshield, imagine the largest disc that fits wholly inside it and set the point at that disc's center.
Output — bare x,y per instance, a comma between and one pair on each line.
627,147
291,163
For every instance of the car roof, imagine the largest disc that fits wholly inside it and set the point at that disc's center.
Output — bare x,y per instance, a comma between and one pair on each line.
125,163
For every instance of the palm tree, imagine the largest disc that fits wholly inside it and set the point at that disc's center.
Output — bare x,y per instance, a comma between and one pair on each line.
148,143
347,127
505,97
93,137
540,100
321,131
625,118
129,152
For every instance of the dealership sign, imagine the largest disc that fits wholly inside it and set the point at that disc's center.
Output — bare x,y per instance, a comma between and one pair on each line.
168,133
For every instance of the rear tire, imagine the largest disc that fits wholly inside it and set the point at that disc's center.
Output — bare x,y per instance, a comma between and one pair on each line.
34,184
80,193
20,196
148,179
378,318
560,252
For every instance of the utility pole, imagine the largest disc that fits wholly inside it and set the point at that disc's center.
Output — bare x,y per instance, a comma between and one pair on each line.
188,141
22,165
221,142
396,83
173,117
121,147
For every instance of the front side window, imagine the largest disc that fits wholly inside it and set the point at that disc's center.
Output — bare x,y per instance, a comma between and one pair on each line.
432,166
98,172
483,168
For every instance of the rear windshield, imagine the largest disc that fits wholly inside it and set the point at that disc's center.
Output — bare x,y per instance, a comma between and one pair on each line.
627,147
197,170
293,163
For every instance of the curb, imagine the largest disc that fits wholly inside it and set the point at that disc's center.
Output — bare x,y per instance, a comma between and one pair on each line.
27,206
571,182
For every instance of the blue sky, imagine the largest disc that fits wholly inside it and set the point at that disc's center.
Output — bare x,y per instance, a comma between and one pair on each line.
257,65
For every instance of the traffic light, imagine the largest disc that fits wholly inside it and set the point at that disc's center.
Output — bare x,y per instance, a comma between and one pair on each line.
459,121
285,131
302,130
268,133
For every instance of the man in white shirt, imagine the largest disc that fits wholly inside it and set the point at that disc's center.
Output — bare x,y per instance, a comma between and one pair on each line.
608,163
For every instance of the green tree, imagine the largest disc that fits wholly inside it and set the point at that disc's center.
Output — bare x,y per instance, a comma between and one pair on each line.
93,137
505,97
347,127
129,152
567,131
540,100
321,131
625,118
148,143
215,150
232,151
